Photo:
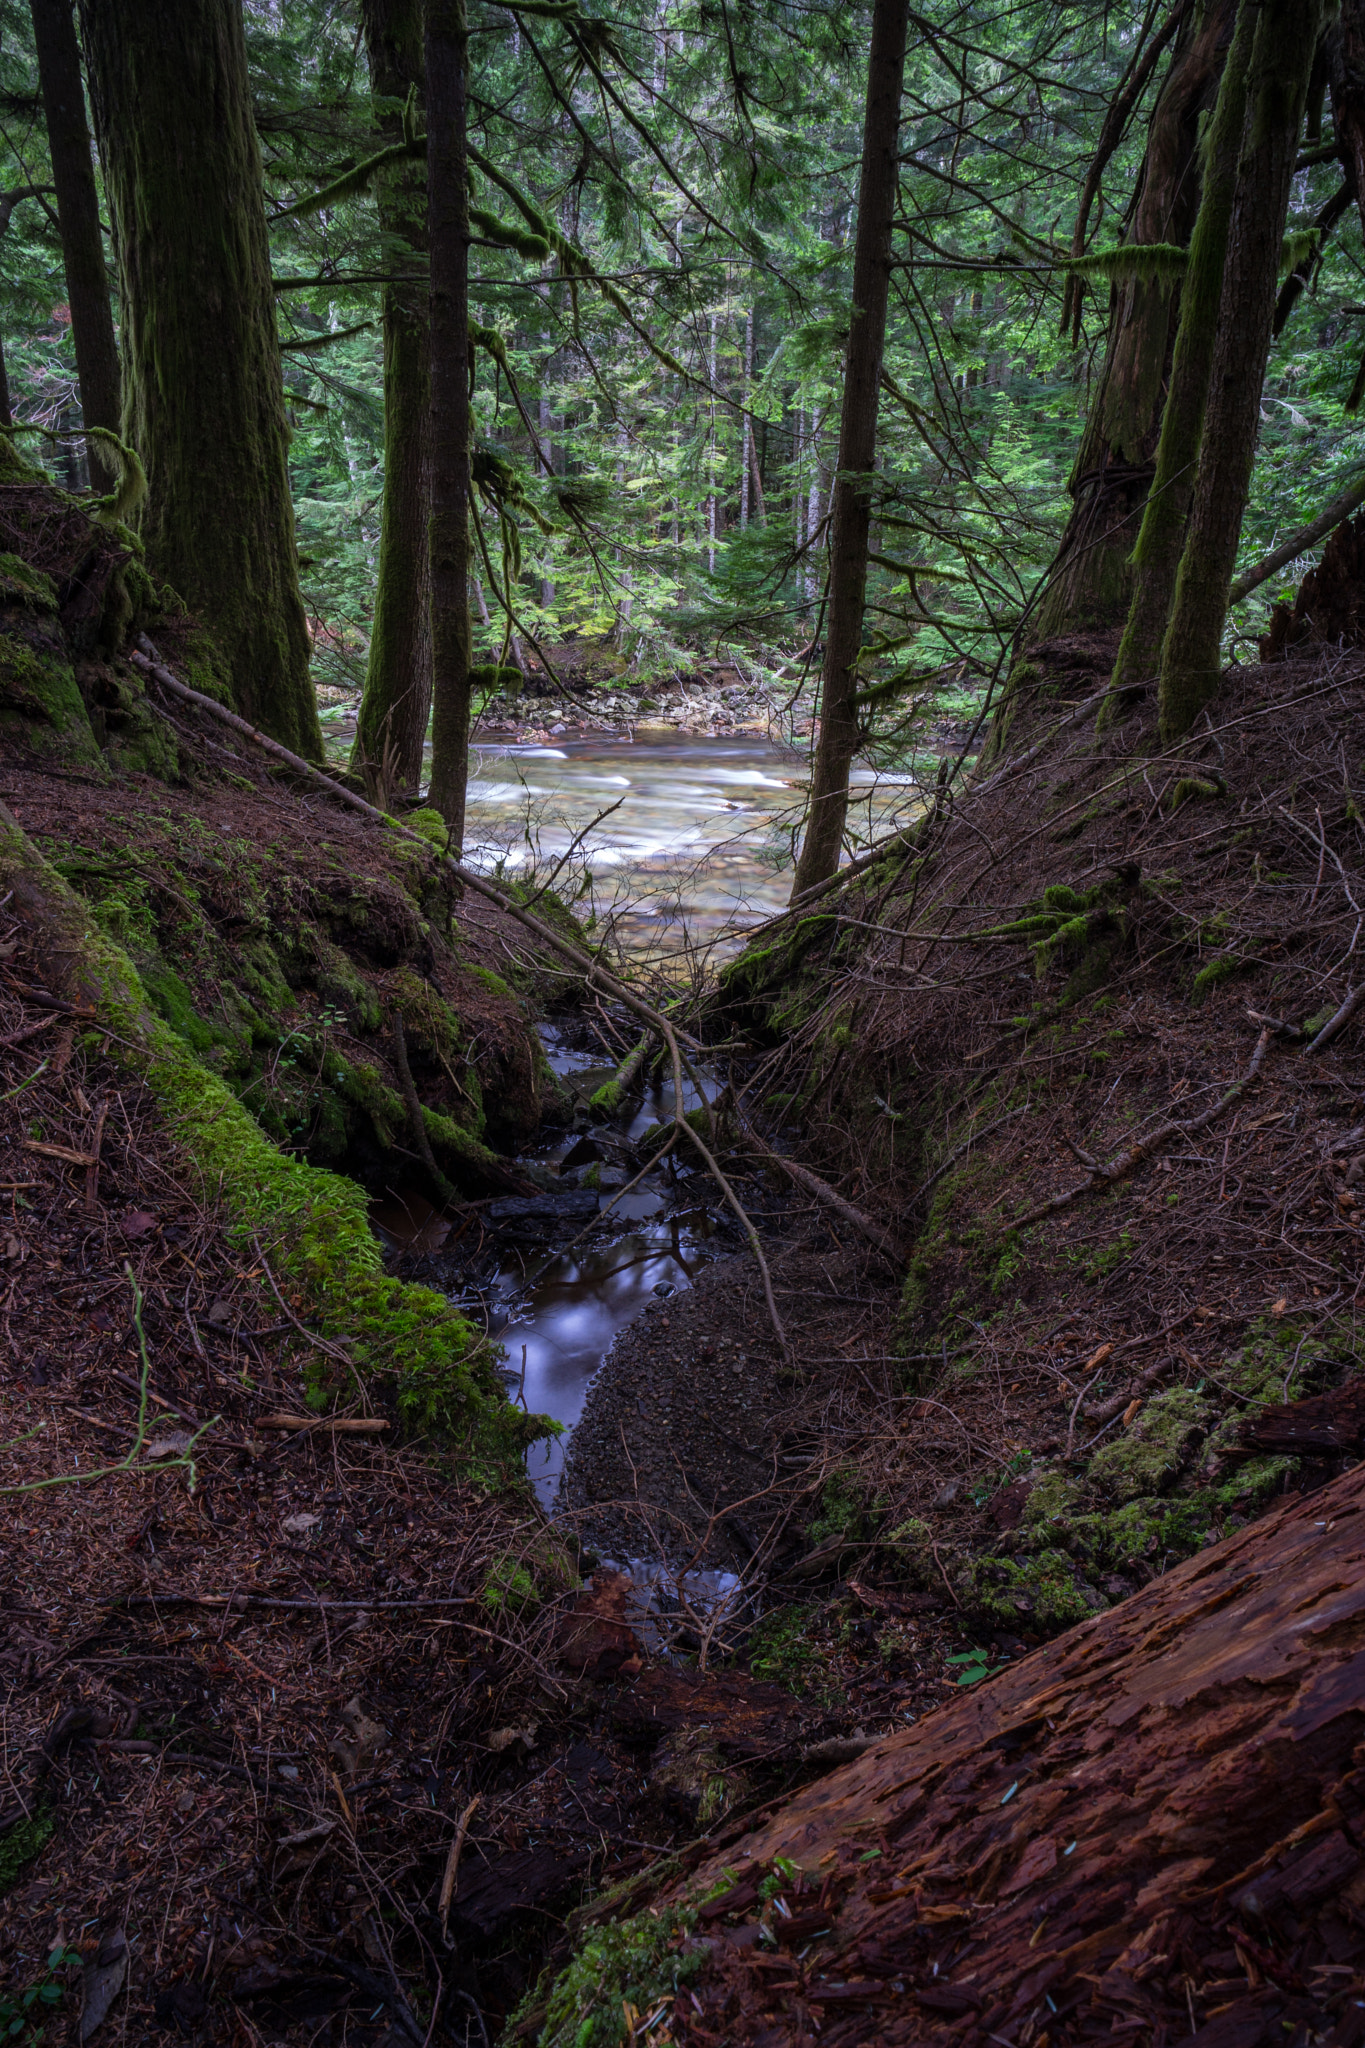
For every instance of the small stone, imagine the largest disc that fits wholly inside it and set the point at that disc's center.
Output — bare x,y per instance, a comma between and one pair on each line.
946,1495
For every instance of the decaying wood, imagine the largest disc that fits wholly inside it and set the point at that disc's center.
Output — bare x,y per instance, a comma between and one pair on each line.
1151,1828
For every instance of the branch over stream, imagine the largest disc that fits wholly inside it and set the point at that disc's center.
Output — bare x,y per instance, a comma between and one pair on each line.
592,969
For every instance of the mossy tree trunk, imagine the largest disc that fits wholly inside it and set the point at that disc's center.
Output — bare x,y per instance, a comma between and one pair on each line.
448,229
397,700
1281,62
1090,585
73,174
852,507
1156,558
204,397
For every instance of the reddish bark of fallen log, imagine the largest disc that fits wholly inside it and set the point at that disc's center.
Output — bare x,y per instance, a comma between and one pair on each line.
1152,1829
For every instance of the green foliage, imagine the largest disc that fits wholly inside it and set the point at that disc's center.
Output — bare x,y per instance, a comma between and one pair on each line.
631,1964
18,1847
25,2014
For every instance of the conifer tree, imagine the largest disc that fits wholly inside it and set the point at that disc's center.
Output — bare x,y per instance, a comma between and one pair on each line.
87,280
204,401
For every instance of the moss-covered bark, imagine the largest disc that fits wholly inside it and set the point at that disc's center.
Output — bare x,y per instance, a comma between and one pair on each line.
1281,62
448,218
204,397
1091,581
87,281
397,700
1156,557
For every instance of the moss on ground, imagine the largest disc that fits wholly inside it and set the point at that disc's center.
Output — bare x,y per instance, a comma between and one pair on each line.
313,1222
618,1975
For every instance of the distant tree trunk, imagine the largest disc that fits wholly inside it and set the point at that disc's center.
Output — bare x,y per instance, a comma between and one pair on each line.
448,227
1281,61
828,804
397,700
746,441
1156,558
1090,584
204,403
6,414
87,280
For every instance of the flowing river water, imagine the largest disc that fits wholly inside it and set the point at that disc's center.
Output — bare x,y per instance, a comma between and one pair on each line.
693,855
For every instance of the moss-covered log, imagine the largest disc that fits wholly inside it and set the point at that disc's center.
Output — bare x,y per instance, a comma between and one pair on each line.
204,396
1281,62
397,701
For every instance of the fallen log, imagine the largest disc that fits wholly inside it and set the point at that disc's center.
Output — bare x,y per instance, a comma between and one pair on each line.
1154,1828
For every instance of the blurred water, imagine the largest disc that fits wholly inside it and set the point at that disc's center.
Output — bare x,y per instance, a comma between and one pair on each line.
699,847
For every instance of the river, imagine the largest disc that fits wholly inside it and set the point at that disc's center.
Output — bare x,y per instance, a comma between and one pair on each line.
697,850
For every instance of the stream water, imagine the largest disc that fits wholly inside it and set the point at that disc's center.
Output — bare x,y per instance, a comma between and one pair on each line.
692,855
698,848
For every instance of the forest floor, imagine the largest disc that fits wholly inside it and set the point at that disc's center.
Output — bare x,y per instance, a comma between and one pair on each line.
306,1735
1093,1059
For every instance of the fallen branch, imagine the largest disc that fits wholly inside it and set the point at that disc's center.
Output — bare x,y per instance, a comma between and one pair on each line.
1340,1020
1298,543
856,1218
1125,1162
172,1599
341,1425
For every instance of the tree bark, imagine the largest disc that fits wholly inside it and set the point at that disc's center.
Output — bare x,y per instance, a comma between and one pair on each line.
204,403
397,700
1281,62
852,506
87,279
1090,585
1156,557
448,227
1149,1829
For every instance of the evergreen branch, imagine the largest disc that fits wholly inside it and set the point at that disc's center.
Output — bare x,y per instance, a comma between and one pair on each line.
314,342
503,235
354,181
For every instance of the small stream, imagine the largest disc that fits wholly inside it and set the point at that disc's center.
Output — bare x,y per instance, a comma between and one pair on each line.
556,1302
694,854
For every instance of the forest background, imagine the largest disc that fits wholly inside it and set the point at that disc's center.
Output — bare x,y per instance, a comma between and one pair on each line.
656,439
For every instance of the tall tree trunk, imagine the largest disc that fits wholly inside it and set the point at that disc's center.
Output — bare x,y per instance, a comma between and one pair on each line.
448,227
204,404
87,280
1281,61
1156,558
1091,582
397,699
838,739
